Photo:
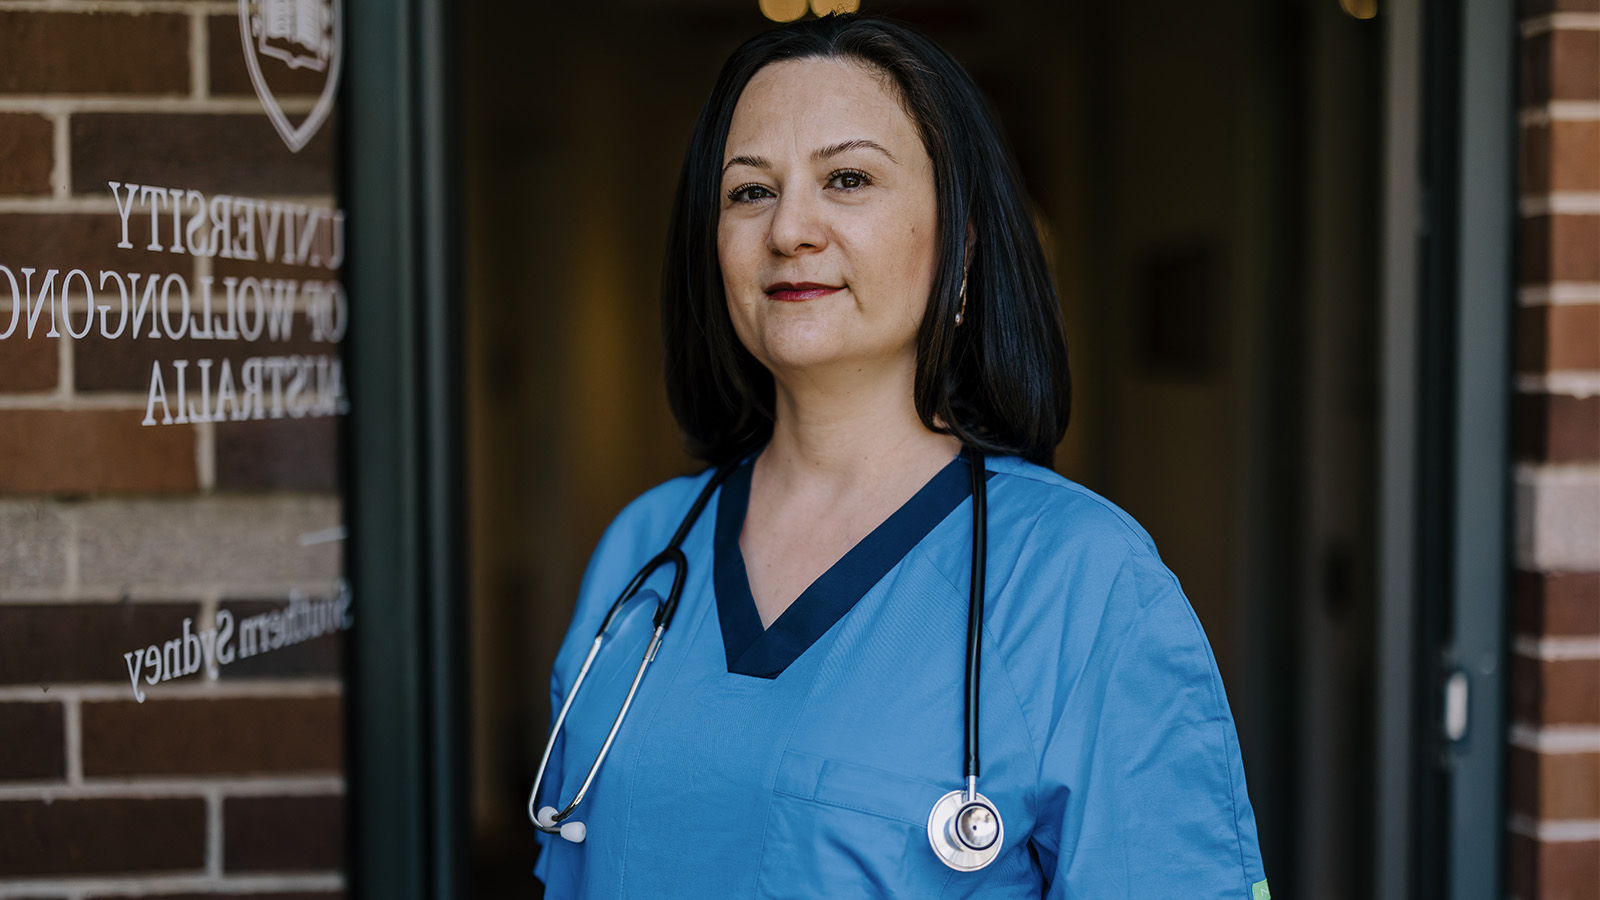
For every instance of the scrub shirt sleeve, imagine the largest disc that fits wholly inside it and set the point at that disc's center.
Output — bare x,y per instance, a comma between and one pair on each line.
1142,790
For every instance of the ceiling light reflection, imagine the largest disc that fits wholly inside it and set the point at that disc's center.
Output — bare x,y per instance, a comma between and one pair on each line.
840,7
783,10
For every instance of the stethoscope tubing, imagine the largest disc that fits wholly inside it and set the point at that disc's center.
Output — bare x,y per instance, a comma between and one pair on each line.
980,553
672,555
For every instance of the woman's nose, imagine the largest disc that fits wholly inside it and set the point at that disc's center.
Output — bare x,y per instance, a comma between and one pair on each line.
796,226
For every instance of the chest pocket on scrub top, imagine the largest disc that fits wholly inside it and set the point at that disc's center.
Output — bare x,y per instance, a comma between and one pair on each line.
840,829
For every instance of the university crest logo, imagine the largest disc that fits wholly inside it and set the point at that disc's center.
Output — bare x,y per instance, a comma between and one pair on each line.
292,36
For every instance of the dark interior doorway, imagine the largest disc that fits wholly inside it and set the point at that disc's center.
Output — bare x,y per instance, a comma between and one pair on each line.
1206,176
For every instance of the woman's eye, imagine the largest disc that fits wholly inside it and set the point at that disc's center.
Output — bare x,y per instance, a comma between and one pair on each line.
749,193
848,180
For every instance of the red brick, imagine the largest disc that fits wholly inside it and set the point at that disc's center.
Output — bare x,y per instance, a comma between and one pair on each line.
1553,870
51,451
1533,160
1560,156
235,154
71,53
282,834
1575,155
1558,248
123,364
261,269
1558,338
318,657
193,737
27,365
48,644
1558,603
1522,866
1569,786
27,144
1560,65
1575,64
1555,785
67,241
1556,428
1573,343
1556,692
278,454
230,76
92,837
35,742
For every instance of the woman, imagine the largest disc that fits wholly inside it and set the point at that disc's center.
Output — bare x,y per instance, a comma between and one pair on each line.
859,317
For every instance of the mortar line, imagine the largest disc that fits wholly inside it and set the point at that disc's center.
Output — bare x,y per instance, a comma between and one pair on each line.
102,103
205,455
1561,21
66,372
73,714
160,593
72,554
61,175
159,884
128,6
199,60
1558,110
1555,739
330,785
214,832
195,687
1560,293
1557,648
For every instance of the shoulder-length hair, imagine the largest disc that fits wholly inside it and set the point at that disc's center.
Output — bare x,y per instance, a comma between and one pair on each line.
998,381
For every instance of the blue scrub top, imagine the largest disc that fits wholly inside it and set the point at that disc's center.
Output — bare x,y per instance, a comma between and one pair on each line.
803,761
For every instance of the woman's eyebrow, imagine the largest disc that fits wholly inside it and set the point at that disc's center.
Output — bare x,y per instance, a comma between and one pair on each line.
822,153
754,162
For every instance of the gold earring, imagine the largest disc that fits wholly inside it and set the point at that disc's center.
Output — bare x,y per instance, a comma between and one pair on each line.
961,313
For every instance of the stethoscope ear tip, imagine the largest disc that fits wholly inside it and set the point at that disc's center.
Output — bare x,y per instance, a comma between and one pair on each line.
572,831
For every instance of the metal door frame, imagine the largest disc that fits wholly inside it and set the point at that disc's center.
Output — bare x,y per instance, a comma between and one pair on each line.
405,680
1445,511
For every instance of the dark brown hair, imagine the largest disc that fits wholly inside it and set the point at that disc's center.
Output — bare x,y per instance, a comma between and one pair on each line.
999,381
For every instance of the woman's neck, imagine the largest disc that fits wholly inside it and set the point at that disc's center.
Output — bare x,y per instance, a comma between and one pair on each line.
839,463
867,432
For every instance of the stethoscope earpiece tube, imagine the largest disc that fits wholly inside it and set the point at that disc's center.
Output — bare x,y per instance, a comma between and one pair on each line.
548,819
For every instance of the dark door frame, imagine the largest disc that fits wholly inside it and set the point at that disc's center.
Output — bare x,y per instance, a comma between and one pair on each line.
1445,531
405,683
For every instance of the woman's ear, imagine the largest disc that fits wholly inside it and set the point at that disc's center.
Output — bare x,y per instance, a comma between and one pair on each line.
972,240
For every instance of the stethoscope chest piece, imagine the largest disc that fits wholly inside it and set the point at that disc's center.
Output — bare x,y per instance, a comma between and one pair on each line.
965,834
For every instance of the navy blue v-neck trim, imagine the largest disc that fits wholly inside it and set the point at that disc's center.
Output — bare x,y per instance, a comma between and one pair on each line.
765,653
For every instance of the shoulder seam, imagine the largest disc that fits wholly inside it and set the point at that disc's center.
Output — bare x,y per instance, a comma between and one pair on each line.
1131,536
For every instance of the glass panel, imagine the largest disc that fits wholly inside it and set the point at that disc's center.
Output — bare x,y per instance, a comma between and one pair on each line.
172,600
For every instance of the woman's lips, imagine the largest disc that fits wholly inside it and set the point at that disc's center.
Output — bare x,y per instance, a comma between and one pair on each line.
796,293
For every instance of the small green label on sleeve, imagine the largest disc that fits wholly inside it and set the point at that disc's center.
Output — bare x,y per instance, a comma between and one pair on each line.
1258,891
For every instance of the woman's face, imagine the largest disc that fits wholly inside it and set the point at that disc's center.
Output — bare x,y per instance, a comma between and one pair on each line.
827,232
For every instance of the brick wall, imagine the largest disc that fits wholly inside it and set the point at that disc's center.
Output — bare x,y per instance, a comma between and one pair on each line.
114,535
1555,736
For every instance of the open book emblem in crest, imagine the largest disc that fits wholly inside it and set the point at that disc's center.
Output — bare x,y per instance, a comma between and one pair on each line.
292,35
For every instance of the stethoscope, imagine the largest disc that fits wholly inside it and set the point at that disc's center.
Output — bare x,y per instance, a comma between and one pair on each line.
964,827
